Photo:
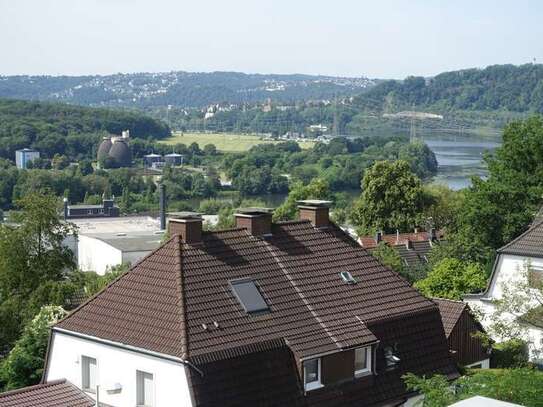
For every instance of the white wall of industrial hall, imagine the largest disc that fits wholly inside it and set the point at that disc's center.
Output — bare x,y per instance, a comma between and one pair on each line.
117,372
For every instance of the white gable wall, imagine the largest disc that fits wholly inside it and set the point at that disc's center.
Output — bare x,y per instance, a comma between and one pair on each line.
118,365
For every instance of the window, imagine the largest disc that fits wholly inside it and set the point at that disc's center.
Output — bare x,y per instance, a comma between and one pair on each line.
391,357
362,361
89,373
312,374
248,295
144,389
347,277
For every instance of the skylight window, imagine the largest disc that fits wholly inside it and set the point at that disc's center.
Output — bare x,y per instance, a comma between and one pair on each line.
248,296
347,277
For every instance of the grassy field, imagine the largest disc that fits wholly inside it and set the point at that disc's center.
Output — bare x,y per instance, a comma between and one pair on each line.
228,142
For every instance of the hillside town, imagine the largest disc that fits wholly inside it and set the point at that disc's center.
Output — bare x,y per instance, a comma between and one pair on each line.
282,204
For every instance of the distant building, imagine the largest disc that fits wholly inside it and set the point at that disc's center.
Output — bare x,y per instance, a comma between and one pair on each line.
173,159
413,248
117,149
150,159
24,156
106,209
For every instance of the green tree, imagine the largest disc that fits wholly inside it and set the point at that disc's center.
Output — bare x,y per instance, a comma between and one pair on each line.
316,189
499,208
392,198
31,254
24,364
436,389
452,278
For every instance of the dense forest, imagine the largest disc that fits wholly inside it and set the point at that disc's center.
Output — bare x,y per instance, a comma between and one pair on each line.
497,87
75,131
182,89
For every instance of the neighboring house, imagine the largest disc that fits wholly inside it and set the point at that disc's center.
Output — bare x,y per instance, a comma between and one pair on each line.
413,248
288,314
461,329
57,393
520,259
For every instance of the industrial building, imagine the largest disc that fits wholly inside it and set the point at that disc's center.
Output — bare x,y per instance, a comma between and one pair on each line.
116,149
173,159
106,209
104,242
99,251
25,156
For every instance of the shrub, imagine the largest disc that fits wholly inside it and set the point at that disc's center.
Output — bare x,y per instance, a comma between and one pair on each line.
510,354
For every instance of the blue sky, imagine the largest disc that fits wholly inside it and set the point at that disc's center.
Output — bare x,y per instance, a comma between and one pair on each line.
384,39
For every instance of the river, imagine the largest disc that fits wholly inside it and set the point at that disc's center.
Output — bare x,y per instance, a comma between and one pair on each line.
460,157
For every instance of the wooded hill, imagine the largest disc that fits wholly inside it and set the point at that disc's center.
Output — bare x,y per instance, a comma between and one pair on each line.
52,128
497,87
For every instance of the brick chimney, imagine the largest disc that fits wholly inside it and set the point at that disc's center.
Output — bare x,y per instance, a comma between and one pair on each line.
257,221
188,225
315,211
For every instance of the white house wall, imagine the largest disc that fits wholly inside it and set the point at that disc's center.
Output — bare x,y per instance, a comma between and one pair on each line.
509,270
117,365
96,255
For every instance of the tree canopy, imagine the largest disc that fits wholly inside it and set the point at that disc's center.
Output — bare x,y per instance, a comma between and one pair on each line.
392,198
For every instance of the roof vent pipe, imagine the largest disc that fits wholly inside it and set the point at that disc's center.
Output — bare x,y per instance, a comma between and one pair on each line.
65,203
316,211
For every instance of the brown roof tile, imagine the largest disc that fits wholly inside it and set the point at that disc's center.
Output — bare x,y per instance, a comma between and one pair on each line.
178,301
297,270
530,243
450,311
58,393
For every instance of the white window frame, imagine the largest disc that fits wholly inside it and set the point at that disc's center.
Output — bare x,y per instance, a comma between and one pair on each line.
83,373
317,384
153,398
367,370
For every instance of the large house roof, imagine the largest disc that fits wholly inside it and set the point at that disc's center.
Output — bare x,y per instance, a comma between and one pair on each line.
170,301
530,243
58,393
179,301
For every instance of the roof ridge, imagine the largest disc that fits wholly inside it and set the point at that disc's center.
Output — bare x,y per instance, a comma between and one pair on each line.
96,295
34,387
180,293
449,300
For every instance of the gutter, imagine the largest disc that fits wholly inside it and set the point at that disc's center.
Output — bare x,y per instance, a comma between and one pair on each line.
127,347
